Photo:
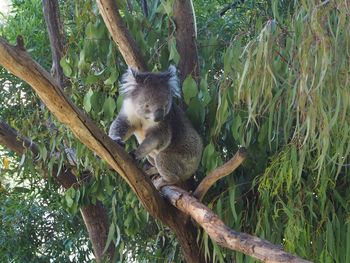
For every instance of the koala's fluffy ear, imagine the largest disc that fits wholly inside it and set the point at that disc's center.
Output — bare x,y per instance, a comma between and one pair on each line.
128,81
173,81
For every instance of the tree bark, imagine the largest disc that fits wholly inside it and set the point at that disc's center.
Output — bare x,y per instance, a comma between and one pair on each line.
223,235
186,39
96,221
57,39
16,60
95,216
120,34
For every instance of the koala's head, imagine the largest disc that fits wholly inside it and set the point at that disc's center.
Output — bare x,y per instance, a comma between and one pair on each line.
151,93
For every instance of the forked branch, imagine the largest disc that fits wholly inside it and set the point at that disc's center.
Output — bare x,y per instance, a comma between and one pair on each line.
219,173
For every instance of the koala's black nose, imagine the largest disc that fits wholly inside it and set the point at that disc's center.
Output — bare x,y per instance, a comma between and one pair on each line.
158,115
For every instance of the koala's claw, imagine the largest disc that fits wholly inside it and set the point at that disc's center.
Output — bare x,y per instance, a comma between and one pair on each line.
119,141
134,155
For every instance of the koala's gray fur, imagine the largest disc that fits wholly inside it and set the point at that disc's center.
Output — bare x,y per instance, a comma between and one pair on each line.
165,135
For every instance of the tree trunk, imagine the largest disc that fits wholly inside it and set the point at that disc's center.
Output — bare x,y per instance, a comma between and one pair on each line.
186,39
96,221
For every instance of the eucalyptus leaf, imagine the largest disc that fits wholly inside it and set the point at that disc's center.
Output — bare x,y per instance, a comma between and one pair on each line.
189,88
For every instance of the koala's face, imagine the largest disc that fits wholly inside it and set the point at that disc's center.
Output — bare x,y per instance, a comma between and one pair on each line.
151,93
152,102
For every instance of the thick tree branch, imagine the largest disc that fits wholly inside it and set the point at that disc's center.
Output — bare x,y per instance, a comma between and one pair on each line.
95,216
120,34
186,39
10,138
223,235
19,63
219,173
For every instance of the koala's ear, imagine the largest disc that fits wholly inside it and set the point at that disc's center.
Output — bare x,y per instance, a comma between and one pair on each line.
174,82
128,81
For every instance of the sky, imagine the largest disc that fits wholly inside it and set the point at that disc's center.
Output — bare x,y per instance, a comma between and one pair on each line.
4,6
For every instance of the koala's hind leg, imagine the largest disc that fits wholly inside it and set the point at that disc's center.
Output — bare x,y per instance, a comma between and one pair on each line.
151,160
151,171
171,172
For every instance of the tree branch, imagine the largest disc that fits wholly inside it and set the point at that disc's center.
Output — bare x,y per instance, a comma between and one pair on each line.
56,36
10,138
185,34
253,246
219,173
120,34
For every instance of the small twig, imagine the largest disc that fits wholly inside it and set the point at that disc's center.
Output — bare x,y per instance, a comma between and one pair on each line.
230,6
219,173
20,43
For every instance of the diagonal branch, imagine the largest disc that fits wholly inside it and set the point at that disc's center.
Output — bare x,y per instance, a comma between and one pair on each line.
121,35
253,246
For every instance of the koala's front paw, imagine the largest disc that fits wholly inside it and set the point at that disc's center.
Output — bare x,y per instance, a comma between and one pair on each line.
119,141
135,155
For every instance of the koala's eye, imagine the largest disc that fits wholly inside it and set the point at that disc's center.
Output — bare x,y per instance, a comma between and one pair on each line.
147,106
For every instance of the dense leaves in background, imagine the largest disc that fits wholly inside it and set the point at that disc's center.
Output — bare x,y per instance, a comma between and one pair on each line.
274,78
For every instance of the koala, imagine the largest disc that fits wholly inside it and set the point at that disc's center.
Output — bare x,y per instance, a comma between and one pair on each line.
165,135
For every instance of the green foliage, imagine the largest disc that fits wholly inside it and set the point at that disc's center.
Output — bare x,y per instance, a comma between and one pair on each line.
274,78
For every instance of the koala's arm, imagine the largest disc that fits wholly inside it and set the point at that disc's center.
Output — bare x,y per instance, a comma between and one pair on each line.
120,129
156,139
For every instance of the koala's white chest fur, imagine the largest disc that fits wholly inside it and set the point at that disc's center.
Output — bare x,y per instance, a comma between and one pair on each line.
141,125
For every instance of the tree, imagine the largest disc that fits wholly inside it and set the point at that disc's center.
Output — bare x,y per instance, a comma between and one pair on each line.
244,87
